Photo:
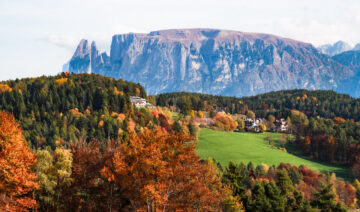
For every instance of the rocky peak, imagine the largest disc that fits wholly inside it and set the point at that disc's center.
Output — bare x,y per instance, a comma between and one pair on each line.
335,49
82,49
87,58
357,47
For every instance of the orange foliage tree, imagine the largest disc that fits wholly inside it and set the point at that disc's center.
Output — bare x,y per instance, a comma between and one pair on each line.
339,120
5,88
17,178
224,122
157,170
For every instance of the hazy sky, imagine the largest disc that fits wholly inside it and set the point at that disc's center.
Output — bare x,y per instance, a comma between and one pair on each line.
38,36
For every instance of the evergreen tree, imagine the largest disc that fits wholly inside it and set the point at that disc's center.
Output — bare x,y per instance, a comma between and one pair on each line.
177,126
284,183
232,176
325,200
258,201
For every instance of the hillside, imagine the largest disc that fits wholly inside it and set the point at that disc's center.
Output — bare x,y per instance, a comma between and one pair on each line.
220,62
251,147
68,106
326,104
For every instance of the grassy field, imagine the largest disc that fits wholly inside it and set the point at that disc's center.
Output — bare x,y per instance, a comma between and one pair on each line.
246,147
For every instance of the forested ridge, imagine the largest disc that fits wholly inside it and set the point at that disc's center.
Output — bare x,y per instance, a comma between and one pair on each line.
68,106
326,104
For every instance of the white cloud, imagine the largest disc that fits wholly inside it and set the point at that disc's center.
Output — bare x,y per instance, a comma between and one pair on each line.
317,32
64,41
122,29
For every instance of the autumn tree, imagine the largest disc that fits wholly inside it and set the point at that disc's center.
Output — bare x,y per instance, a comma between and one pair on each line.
357,189
91,188
271,120
17,177
250,114
193,130
241,124
54,176
200,114
156,170
262,127
224,122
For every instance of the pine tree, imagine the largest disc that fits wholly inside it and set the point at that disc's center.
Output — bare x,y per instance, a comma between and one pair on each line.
276,200
325,200
177,127
258,200
232,176
284,183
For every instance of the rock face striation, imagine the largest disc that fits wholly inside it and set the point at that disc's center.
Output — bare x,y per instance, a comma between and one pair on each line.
220,62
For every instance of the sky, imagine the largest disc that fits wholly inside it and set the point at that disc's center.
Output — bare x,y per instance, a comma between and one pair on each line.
38,36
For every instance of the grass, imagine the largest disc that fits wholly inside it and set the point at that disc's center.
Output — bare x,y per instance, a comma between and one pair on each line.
246,147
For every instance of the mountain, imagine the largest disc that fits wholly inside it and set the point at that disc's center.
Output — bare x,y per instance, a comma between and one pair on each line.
334,49
351,59
220,62
357,47
87,58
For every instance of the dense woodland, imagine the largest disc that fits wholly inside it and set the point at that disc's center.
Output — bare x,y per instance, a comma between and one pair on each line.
331,140
326,104
76,143
70,107
287,188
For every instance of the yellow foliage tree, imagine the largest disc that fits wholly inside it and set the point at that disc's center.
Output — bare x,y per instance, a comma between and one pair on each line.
200,114
262,127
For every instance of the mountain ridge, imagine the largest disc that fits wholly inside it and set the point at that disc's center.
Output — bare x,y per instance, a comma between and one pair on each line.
220,62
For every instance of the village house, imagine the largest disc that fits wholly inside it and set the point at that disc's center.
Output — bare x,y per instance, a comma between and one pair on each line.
139,102
253,124
280,125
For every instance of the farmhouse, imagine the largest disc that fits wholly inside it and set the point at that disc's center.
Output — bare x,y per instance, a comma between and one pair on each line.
139,102
280,125
253,124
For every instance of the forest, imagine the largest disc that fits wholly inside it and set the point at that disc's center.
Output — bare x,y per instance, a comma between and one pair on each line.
326,104
76,143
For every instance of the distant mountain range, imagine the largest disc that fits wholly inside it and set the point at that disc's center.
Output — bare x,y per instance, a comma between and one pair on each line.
337,48
220,62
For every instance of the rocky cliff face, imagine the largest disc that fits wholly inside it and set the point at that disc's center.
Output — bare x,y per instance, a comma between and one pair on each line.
212,61
87,59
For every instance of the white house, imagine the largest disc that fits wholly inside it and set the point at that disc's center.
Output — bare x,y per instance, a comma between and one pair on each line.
139,102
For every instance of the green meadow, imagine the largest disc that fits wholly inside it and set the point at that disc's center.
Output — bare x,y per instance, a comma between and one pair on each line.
246,147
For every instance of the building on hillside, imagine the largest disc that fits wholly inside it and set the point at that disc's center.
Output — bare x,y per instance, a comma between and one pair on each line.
139,102
280,126
253,124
